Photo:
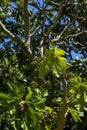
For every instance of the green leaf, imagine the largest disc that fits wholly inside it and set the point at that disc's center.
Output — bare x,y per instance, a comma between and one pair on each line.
54,60
4,96
49,109
24,126
85,97
29,95
33,116
22,3
74,114
6,61
58,52
5,2
10,86
44,67
47,127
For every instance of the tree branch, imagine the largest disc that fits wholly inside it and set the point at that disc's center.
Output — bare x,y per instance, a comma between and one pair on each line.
75,35
61,6
54,3
34,31
10,35
27,26
15,39
60,37
42,47
26,20
43,23
34,4
54,25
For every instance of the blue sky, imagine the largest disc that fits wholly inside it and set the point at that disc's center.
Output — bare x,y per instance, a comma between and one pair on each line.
76,55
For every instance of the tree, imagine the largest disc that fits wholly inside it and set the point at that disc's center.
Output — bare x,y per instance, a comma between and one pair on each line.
37,40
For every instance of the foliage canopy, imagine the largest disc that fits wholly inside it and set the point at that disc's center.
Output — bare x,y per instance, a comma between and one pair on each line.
43,86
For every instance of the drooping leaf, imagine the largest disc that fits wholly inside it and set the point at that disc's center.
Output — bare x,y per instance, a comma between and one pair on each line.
74,114
54,60
4,96
29,95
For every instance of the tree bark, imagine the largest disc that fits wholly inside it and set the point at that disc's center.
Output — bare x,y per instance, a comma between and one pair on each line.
63,112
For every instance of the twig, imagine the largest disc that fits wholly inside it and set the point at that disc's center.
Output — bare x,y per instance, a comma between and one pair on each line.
57,18
75,35
34,4
60,36
34,31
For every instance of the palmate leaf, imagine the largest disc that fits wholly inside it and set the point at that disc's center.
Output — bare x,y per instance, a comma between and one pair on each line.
58,52
60,64
78,92
16,90
74,114
54,60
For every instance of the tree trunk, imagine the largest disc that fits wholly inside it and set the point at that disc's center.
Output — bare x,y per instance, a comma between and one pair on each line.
63,112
